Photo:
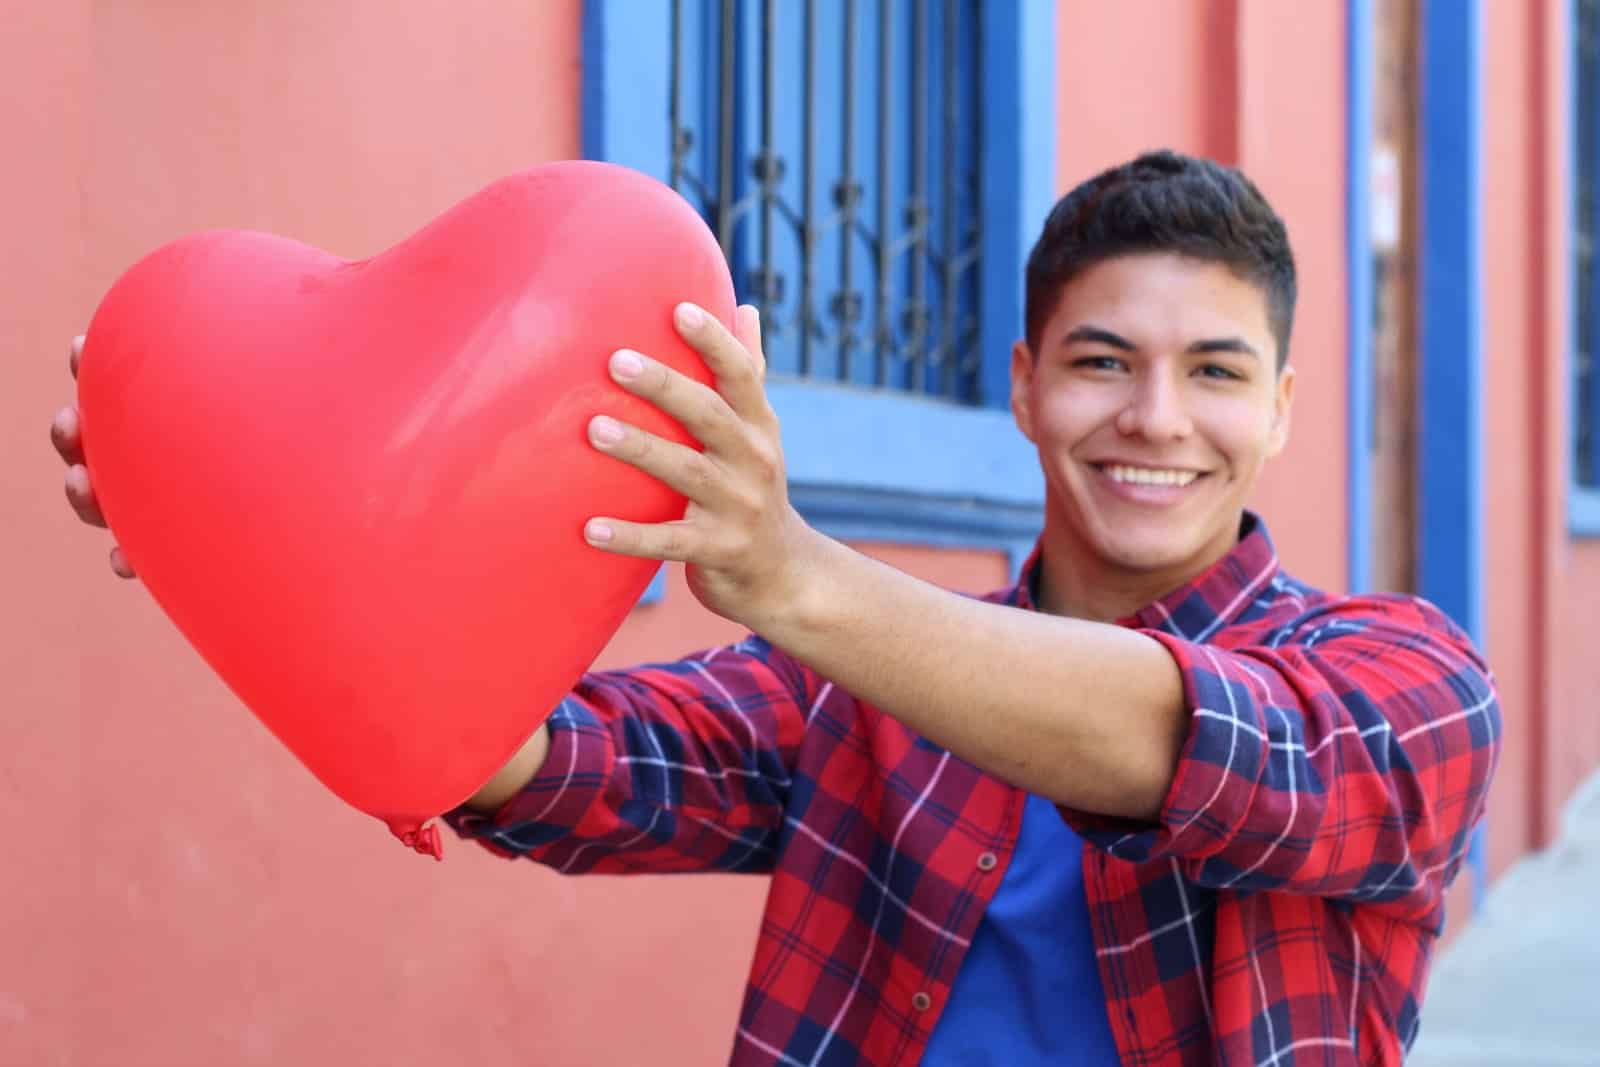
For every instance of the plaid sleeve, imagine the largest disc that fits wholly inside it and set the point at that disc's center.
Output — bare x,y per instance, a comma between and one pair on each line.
1350,759
667,768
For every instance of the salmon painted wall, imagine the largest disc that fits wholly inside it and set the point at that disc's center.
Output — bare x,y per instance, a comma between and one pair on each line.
1543,586
1567,626
1260,85
43,580
181,890
1572,743
1513,365
187,893
178,889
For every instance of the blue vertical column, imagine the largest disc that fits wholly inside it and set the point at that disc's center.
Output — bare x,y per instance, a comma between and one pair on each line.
1019,170
1451,448
625,84
1359,269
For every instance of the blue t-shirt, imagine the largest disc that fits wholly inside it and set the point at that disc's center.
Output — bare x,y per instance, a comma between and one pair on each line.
1029,990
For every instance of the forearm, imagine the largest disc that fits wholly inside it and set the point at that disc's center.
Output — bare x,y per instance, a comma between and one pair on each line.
515,775
1091,716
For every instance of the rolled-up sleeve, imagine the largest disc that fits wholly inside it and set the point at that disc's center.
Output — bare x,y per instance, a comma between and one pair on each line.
1350,758
667,768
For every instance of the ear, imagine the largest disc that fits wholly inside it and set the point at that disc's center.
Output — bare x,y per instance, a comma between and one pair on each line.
1022,367
1282,408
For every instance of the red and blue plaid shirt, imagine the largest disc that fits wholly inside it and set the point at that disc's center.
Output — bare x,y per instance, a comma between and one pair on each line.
1282,910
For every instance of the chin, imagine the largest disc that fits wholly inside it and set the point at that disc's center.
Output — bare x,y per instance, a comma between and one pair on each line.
1146,551
1153,560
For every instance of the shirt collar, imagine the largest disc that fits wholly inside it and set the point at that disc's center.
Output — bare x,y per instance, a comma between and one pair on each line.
1211,601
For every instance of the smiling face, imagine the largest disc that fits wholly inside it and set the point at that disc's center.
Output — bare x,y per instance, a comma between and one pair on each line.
1154,400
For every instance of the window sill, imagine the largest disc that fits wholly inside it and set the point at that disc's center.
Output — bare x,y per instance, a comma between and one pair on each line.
1583,511
870,439
875,465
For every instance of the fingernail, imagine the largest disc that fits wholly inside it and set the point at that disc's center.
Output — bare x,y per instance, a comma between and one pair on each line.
626,364
597,532
690,317
604,430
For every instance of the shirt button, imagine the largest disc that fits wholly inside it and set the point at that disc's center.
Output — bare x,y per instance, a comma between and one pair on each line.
921,1002
988,861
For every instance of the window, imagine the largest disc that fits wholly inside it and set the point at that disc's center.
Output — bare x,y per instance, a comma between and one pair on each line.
1586,280
833,147
876,171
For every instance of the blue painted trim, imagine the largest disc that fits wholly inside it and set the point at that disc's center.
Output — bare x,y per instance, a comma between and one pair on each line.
1019,176
656,590
1583,511
1451,446
1583,501
907,518
857,457
1358,251
625,80
891,442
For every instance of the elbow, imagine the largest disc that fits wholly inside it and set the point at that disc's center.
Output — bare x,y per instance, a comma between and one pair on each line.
1151,783
1141,778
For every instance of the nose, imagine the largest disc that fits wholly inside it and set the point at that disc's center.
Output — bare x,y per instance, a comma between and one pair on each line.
1155,410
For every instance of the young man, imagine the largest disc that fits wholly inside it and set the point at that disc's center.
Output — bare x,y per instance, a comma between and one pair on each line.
1159,803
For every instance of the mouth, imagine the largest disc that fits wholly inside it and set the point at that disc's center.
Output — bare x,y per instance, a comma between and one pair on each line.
1148,485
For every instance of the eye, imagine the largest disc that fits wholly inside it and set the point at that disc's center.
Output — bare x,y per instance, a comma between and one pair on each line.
1218,372
1100,363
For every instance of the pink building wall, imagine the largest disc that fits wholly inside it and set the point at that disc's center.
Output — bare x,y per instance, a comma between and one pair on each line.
1512,314
1543,585
180,890
1212,81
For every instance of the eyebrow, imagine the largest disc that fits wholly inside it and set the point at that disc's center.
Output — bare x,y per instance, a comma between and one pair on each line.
1096,335
1236,345
1100,335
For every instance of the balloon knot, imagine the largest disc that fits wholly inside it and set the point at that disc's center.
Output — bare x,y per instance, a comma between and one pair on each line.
424,840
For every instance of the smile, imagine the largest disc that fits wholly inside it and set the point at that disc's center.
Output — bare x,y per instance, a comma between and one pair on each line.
1147,475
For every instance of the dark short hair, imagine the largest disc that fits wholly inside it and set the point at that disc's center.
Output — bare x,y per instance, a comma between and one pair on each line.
1164,202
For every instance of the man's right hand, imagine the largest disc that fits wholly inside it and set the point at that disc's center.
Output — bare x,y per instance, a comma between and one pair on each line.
65,436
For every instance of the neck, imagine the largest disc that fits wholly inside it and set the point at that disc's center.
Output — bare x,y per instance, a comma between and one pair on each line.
1074,583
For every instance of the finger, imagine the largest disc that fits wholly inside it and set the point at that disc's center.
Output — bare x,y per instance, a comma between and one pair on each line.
64,435
747,329
120,564
678,540
686,470
77,355
699,408
81,496
732,363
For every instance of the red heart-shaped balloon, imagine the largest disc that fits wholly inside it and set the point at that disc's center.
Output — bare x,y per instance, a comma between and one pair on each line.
358,487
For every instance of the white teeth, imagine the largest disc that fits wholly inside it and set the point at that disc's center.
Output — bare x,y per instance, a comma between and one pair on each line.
1145,476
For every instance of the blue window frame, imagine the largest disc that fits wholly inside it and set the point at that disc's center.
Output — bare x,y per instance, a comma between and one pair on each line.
893,396
834,148
1584,495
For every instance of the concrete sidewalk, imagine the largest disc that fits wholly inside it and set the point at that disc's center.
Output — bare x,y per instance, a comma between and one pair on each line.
1521,986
